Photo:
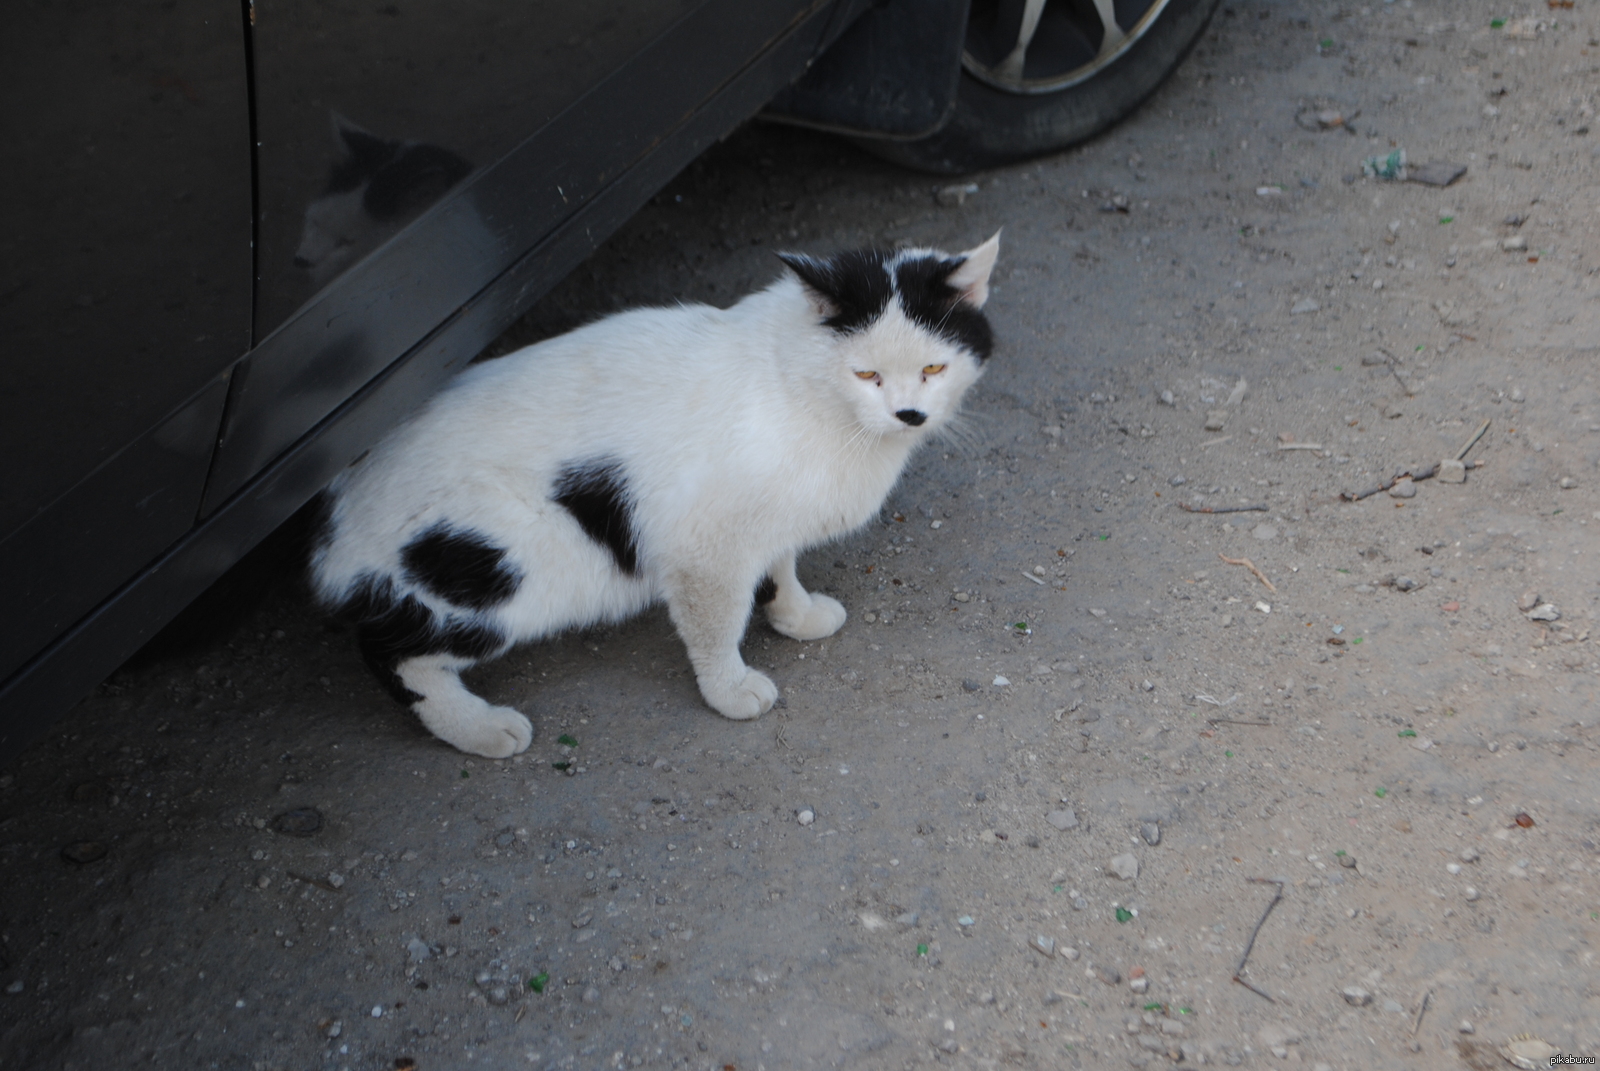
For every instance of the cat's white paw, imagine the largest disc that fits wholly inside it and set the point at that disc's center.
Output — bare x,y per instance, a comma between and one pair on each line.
749,698
822,618
493,732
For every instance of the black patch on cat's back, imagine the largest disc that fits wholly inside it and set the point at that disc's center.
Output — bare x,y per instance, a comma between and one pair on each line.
931,302
391,630
766,591
856,284
460,566
596,494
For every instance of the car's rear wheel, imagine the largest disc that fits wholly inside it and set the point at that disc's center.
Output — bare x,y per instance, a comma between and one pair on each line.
1040,75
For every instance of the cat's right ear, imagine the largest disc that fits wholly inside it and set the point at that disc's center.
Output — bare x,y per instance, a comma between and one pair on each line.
971,277
817,279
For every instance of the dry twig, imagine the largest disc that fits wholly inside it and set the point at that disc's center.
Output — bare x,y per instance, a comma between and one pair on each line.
1238,971
1235,721
1250,565
1426,998
1221,509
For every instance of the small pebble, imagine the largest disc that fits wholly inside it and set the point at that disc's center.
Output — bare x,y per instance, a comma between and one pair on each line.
1108,975
1403,489
1063,820
1466,1027
1264,532
1151,832
1173,1028
1356,997
377,1011
970,685
1347,860
1178,481
1470,855
1139,985
1527,600
806,816
1001,682
1045,946
1167,398
1568,483
1125,866
1544,612
1517,395
16,987
1471,893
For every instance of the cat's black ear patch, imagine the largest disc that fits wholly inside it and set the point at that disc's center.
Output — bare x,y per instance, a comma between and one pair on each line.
460,566
855,284
930,301
596,494
391,630
766,591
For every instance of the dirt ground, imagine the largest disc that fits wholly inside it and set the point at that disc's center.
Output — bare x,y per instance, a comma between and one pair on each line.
1048,676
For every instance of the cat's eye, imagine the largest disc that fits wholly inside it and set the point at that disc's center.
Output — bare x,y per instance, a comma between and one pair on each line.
932,369
866,375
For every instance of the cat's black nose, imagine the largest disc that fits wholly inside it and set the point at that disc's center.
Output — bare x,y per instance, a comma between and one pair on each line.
914,417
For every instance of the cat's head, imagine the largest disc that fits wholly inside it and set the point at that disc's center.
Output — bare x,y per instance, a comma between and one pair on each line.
908,331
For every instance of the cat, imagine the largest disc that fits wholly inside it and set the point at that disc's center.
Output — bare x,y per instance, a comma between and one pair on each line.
375,186
682,454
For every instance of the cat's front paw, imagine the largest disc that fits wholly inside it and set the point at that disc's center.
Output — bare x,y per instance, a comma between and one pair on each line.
823,617
746,699
494,733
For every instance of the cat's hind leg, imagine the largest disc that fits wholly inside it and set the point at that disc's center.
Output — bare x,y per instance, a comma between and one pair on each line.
794,611
710,615
455,715
418,656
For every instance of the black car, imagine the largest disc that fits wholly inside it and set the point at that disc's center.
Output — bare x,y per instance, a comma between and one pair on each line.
242,240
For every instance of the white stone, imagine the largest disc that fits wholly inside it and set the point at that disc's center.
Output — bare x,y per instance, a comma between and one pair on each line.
1125,866
1452,471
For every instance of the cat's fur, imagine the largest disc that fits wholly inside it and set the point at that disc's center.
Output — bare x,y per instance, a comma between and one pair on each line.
685,454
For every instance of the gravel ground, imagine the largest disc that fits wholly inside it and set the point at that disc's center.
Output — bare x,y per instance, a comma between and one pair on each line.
1015,812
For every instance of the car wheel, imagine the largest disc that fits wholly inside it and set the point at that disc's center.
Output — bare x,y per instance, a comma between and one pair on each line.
1040,75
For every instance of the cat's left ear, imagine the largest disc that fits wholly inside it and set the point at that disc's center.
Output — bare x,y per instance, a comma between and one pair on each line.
971,277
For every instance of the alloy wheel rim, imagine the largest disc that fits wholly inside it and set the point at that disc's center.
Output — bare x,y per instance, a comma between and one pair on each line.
1032,47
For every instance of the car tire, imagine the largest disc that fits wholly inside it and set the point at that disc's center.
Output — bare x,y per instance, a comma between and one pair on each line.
996,123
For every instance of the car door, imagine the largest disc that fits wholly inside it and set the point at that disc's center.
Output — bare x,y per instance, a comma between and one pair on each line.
124,290
409,153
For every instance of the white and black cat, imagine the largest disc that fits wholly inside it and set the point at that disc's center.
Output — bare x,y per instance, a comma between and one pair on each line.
685,454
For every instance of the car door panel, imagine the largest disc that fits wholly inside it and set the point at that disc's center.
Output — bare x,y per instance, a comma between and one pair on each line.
385,302
124,289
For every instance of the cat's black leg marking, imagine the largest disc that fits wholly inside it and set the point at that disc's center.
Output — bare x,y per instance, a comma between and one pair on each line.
766,591
460,566
596,494
856,283
390,630
929,300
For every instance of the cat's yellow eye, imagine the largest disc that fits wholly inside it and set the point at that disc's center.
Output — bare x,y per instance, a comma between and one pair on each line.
932,369
866,375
